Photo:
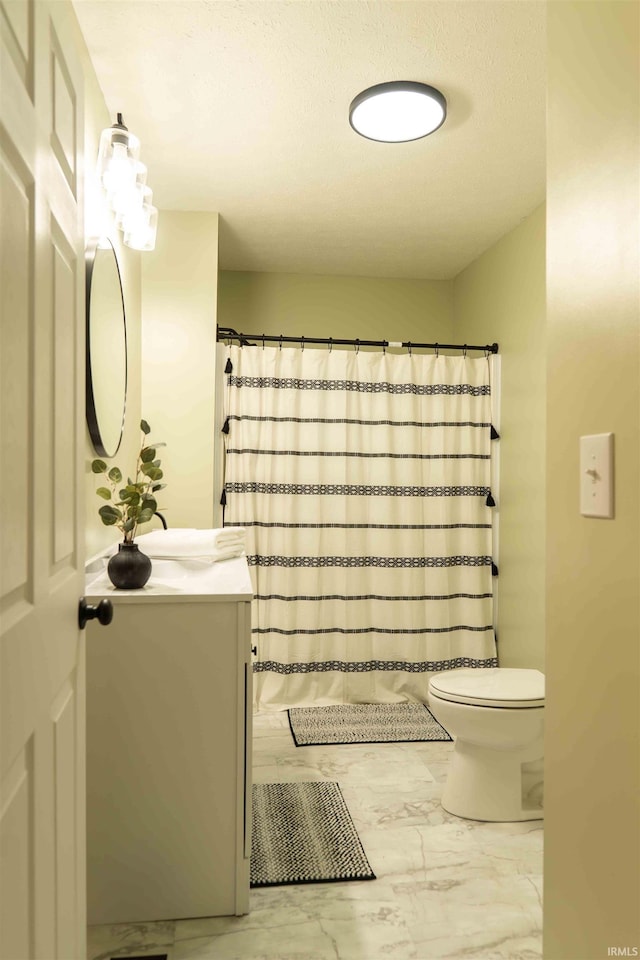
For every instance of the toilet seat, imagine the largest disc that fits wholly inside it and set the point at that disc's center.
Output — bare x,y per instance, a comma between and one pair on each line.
491,687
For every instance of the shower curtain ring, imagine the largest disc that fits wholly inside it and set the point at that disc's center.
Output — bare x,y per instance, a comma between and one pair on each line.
409,347
263,341
464,351
302,343
437,349
330,344
281,341
357,346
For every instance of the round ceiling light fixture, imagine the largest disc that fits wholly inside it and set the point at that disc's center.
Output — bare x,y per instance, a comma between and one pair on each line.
398,111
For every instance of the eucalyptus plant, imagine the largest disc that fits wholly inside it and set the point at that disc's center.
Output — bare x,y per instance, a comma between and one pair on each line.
135,502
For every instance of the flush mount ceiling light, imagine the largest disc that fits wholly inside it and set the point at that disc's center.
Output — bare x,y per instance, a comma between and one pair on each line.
398,111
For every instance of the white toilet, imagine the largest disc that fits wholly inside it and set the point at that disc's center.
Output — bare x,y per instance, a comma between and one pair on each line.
495,715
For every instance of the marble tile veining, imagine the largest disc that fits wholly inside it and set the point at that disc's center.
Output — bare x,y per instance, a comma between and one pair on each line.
131,939
446,887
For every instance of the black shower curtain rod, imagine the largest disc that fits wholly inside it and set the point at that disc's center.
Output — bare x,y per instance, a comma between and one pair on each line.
227,333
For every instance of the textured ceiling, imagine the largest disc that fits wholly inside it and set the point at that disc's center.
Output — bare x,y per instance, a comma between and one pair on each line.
242,108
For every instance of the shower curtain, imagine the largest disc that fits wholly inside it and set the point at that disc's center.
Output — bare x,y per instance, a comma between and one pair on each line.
363,482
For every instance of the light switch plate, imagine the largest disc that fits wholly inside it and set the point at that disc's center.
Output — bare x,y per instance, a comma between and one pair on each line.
596,475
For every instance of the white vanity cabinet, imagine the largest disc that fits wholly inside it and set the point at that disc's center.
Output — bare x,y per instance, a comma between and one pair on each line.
169,712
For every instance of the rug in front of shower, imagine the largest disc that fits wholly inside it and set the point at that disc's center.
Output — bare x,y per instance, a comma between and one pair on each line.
303,833
364,723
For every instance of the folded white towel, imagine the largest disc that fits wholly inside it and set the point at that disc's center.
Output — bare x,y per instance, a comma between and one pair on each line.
229,535
181,542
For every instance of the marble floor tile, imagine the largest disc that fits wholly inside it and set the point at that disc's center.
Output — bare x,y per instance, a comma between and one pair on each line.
351,921
406,801
445,887
130,939
268,722
477,916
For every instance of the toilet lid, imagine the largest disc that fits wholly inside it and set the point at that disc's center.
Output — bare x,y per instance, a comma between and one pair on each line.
491,687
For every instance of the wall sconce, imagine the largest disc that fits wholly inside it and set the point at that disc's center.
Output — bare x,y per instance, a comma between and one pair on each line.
141,224
123,178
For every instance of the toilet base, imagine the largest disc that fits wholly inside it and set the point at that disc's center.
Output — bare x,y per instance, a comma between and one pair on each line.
494,785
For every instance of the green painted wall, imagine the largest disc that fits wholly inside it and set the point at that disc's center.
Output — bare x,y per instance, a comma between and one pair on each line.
358,307
179,288
501,296
592,748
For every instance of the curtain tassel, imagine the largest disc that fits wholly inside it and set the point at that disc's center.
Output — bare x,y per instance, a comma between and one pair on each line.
223,498
225,428
494,433
490,501
494,569
229,366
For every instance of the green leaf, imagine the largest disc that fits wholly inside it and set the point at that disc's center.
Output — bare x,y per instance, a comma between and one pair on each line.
110,515
98,466
150,470
133,510
147,454
156,463
158,486
104,492
145,516
110,511
149,503
115,475
144,426
129,525
132,498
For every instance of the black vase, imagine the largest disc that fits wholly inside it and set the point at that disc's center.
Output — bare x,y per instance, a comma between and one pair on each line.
129,569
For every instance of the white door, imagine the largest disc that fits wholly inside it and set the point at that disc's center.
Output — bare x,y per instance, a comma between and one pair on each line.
42,801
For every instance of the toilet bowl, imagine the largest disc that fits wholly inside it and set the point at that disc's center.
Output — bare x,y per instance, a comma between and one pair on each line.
495,716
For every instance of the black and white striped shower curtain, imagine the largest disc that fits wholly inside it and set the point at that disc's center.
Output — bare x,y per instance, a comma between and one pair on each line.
362,480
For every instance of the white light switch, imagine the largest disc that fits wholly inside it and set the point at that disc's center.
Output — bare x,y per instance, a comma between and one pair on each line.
596,475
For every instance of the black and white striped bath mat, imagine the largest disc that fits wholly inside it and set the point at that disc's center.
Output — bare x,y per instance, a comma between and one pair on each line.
303,833
364,723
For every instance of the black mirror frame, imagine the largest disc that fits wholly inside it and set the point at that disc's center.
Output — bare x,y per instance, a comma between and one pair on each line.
91,412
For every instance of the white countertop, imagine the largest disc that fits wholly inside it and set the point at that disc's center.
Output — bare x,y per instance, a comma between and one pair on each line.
177,581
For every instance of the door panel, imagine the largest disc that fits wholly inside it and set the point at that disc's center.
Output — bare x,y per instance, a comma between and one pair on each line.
64,391
16,337
64,731
16,28
64,123
42,818
16,912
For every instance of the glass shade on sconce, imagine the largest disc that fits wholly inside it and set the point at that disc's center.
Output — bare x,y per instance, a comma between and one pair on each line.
141,226
129,200
126,198
118,154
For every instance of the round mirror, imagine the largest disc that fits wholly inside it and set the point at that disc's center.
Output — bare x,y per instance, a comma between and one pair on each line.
106,385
